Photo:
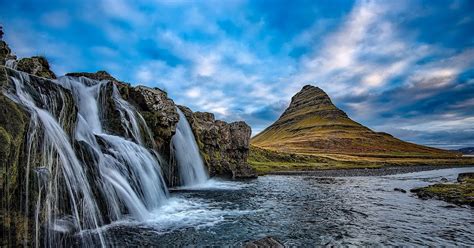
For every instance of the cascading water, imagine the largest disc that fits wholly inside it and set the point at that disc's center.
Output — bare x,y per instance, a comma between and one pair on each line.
106,177
186,153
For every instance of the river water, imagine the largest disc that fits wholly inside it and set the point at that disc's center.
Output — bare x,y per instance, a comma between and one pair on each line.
305,211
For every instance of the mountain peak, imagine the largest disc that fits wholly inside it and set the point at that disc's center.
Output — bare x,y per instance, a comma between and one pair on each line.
314,101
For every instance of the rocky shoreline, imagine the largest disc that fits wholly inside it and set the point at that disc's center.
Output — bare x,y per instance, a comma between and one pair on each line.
460,193
384,171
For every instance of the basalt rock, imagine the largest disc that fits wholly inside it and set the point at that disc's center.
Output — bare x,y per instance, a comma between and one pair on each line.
224,146
5,53
99,75
37,66
159,112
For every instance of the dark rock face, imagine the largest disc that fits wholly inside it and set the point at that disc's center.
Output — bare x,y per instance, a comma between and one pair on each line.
159,112
37,66
224,147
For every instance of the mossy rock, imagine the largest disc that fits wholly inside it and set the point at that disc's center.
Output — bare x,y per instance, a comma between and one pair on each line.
37,66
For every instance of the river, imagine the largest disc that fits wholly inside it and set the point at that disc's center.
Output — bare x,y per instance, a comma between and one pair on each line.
305,211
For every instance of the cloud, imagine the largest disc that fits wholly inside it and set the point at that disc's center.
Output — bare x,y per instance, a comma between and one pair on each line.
404,62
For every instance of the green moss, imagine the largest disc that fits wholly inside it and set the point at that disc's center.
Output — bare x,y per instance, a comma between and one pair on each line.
457,193
5,142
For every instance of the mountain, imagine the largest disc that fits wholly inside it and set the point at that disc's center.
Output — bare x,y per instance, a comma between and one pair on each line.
467,150
312,124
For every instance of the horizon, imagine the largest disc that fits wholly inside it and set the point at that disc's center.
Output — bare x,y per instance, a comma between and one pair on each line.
381,63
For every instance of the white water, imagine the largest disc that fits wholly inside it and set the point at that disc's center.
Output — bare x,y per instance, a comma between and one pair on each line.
11,63
125,175
132,172
186,153
59,163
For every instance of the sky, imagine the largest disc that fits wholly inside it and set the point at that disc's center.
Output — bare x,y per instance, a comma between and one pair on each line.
402,67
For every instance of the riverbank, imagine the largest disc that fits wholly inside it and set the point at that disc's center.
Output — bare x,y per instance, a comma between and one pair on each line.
368,171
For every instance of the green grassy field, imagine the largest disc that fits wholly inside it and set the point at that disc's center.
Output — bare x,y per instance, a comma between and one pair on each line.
265,160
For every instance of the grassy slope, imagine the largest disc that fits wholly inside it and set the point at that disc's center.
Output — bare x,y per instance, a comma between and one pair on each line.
302,132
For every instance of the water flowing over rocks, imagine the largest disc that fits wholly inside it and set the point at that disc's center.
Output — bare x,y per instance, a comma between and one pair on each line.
224,146
86,149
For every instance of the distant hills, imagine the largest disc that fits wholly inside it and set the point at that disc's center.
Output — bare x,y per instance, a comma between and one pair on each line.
312,130
467,150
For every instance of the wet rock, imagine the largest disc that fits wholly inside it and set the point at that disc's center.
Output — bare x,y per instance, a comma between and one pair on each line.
5,53
159,112
463,177
265,242
15,127
224,146
37,66
99,75
444,180
400,190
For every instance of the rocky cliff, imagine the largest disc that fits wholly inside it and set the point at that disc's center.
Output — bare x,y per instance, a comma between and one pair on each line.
224,146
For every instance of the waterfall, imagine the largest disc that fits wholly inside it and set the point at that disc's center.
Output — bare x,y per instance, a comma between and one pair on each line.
11,63
186,153
86,177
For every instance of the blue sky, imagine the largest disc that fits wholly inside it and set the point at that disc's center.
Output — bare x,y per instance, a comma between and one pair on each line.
403,67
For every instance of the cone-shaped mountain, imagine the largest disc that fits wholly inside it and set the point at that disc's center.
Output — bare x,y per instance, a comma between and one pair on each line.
312,124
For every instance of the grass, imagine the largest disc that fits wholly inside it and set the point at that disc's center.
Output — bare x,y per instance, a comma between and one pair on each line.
267,160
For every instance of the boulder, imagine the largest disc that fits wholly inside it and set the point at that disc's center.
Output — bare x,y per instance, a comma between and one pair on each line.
400,190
